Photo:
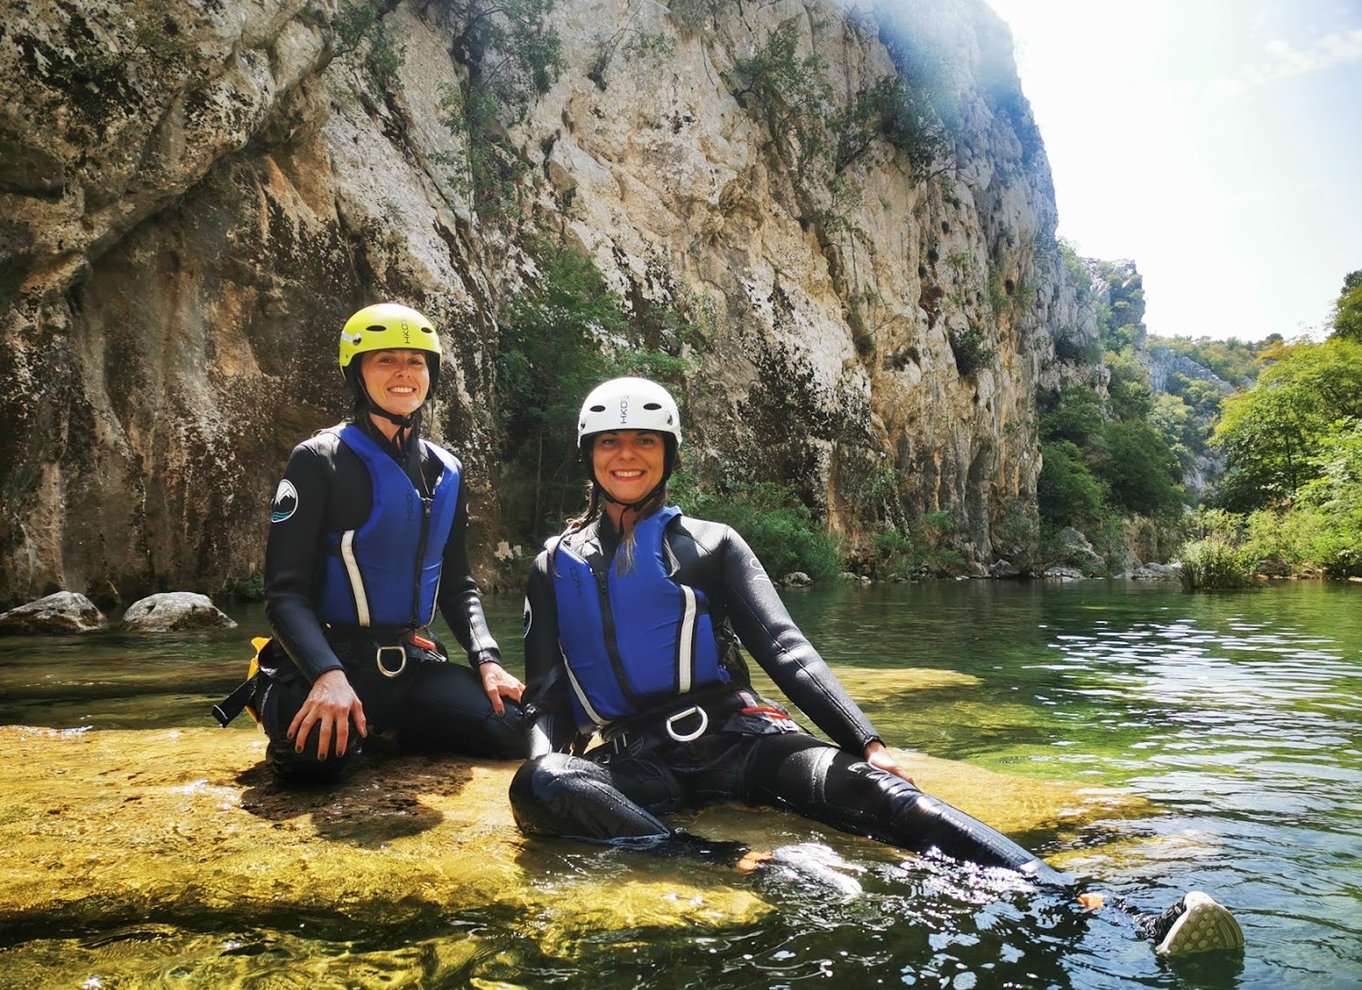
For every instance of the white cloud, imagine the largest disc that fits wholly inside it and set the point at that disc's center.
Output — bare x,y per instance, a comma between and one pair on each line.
1283,60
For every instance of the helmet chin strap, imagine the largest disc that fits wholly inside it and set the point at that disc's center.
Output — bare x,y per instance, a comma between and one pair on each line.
406,425
630,506
405,422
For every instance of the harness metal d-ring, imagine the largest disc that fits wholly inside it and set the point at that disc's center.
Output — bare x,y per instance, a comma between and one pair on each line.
688,736
385,670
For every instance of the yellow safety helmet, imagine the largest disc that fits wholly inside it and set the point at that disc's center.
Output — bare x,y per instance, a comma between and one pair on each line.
386,326
381,327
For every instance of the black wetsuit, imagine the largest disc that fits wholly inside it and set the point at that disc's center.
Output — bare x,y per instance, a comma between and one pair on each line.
748,753
433,705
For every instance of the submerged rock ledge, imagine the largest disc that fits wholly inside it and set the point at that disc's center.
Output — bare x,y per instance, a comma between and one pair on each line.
108,828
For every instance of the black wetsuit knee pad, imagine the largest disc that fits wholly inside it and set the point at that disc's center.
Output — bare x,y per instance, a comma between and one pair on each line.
573,797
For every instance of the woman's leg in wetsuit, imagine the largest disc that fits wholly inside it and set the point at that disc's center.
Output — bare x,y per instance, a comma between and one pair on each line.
277,700
835,787
444,709
610,798
619,795
600,799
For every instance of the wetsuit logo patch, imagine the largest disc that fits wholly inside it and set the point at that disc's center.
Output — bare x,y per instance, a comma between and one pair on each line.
285,502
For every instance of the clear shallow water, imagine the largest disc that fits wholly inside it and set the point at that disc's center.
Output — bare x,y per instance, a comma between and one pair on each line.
1239,716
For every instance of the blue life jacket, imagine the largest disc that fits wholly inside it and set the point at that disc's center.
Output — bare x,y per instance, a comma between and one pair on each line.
632,640
386,572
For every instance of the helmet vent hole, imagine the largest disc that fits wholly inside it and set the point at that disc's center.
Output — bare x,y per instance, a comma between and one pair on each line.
652,406
598,408
376,327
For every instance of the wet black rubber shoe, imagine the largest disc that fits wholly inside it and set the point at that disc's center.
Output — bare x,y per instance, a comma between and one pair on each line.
1197,923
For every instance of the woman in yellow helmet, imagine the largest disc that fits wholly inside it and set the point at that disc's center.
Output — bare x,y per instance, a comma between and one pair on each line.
367,538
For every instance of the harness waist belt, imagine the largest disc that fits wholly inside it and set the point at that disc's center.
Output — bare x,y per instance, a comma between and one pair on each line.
683,718
388,649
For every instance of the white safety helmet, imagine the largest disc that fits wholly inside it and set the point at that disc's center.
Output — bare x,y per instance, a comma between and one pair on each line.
629,404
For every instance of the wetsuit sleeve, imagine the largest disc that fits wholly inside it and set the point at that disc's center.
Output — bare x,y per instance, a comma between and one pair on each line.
550,722
765,628
459,601
292,562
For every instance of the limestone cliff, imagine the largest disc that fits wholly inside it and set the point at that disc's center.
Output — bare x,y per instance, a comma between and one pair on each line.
195,194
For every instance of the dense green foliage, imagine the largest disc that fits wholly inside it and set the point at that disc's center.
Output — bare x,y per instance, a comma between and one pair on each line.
1293,445
549,360
924,547
781,530
1212,564
559,340
1348,311
1273,433
1140,471
1116,454
1186,412
1233,361
1068,493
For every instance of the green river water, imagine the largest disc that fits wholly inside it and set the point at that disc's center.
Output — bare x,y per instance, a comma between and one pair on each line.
1238,715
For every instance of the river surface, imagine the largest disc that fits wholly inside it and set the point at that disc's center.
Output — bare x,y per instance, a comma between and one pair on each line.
1237,715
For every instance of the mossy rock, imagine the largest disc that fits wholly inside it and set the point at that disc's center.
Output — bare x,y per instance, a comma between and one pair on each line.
102,828
118,827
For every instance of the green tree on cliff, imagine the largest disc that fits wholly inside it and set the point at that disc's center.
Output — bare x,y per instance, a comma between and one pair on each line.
1273,434
550,356
1141,471
513,55
561,337
1348,312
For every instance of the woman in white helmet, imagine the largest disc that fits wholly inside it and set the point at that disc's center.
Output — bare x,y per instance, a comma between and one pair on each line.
633,620
634,617
367,539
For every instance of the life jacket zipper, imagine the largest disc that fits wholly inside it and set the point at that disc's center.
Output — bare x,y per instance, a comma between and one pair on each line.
611,646
426,504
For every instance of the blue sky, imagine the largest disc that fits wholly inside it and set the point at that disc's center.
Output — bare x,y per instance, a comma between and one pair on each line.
1217,143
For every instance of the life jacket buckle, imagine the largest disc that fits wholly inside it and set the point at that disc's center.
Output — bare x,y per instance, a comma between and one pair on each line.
684,737
383,668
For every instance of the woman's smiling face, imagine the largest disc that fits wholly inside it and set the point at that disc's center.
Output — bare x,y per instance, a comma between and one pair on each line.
398,381
628,464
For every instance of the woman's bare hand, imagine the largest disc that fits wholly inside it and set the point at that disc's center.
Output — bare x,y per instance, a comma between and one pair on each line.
498,684
330,705
877,756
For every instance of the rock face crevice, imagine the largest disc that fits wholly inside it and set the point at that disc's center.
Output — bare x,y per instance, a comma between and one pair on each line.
196,194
